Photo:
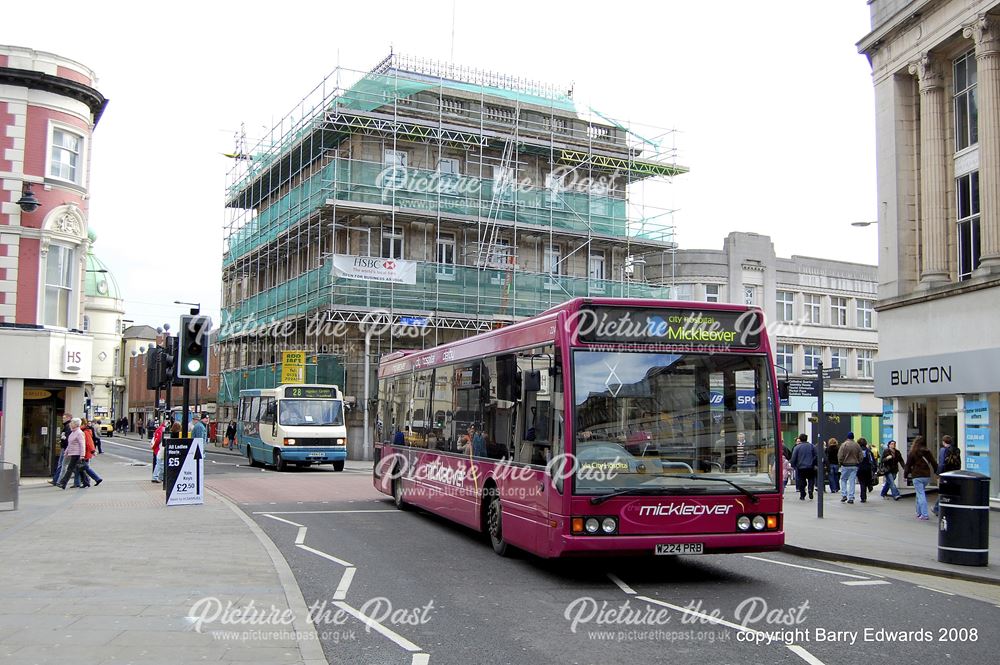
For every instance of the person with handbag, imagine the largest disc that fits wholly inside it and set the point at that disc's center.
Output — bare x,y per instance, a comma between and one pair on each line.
84,473
892,459
920,465
866,469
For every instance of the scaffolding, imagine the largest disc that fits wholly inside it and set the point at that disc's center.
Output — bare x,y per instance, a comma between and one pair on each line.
508,195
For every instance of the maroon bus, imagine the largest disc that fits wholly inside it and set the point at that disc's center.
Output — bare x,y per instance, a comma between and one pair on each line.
603,425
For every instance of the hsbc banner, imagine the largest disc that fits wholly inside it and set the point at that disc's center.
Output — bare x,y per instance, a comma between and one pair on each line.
375,269
185,471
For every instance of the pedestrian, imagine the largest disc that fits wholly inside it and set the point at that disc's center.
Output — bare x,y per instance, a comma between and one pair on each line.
63,441
949,459
200,429
920,467
786,471
832,446
230,440
142,428
848,456
866,469
84,472
157,448
76,446
175,428
97,440
804,461
892,459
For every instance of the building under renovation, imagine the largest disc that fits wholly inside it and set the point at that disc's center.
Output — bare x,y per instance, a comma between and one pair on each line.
421,202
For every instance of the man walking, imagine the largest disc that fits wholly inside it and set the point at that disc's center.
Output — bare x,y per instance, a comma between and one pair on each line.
63,442
200,429
804,462
848,456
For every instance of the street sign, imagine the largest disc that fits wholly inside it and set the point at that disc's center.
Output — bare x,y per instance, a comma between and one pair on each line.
415,321
831,373
293,366
802,388
185,471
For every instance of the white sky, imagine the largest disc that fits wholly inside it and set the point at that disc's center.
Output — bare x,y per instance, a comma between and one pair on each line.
773,104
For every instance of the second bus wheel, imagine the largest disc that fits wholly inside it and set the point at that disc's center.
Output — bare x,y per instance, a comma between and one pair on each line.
279,463
338,465
250,457
397,493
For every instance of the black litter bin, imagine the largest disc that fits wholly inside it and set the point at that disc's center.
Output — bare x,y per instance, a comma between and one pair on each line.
964,529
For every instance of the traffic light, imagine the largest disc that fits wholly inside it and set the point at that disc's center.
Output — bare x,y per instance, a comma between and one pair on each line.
154,371
194,347
168,362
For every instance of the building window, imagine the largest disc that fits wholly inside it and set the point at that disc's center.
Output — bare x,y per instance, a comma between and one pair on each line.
446,255
866,363
813,304
501,253
392,243
394,158
552,260
866,314
59,275
503,183
749,295
86,323
966,113
65,155
838,359
786,305
597,266
784,356
838,311
967,188
683,292
812,355
711,293
448,166
554,187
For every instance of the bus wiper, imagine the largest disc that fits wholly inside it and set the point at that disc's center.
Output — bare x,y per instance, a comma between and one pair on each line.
640,491
753,497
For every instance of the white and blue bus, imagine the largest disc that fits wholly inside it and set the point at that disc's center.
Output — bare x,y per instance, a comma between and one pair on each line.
293,424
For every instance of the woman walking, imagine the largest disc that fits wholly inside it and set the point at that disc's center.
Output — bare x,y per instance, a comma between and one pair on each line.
83,471
866,469
892,459
832,447
230,440
920,465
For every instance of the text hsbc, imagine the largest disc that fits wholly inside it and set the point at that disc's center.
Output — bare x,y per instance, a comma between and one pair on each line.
366,263
684,509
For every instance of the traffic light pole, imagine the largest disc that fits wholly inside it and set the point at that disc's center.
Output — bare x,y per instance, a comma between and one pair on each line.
819,444
186,399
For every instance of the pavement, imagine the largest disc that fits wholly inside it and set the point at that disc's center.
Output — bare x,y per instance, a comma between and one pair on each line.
110,574
123,588
881,532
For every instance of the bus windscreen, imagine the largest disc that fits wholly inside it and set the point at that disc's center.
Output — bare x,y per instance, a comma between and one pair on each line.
310,412
666,422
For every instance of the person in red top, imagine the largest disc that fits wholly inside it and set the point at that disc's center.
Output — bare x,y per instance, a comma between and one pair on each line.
158,453
83,471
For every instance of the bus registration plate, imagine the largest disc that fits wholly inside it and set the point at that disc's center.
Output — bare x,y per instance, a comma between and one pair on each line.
680,548
315,455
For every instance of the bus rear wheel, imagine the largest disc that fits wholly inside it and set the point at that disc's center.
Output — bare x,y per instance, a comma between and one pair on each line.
279,462
338,465
494,521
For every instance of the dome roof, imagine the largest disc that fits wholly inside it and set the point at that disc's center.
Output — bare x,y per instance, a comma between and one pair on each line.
98,281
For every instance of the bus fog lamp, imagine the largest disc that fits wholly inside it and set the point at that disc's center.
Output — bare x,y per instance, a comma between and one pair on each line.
609,525
592,525
743,523
759,522
341,442
289,442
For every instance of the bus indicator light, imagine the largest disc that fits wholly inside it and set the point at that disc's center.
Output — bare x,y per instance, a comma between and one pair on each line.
772,521
577,525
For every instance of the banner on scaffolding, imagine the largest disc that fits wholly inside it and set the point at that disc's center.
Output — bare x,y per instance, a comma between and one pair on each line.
374,269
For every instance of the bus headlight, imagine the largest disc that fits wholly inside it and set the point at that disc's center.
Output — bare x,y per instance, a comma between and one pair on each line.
341,442
289,442
609,525
759,522
743,523
592,525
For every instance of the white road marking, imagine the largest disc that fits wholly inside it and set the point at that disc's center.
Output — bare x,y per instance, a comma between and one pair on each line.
345,584
326,556
301,536
375,625
326,512
279,519
937,590
804,655
865,582
621,585
795,565
420,659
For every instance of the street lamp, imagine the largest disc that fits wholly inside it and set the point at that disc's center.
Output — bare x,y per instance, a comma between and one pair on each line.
195,305
28,202
862,224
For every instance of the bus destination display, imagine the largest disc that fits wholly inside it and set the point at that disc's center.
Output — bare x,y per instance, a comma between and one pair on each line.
311,392
687,327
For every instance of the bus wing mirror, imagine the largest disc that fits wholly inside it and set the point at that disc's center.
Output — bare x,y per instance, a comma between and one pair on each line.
532,381
783,390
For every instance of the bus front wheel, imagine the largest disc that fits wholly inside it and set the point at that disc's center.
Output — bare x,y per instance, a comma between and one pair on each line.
279,462
338,465
494,521
250,458
397,494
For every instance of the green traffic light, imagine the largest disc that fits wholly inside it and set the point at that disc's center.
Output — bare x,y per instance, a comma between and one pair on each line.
194,365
